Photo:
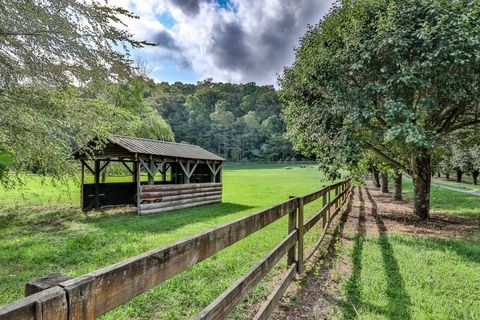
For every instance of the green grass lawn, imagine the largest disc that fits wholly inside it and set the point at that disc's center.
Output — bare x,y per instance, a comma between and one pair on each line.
42,231
450,202
404,276
463,186
399,276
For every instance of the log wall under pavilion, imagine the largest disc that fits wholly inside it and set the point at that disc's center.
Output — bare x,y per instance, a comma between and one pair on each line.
165,176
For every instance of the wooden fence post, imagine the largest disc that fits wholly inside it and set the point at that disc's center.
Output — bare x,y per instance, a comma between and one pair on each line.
292,225
300,234
336,199
325,203
80,297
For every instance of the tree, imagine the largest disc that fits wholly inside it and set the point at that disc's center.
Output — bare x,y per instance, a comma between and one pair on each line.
57,42
46,47
389,76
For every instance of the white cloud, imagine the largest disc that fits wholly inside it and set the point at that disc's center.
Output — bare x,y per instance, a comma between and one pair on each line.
251,40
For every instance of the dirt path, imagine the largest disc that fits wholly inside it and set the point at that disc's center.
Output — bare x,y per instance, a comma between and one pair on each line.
317,294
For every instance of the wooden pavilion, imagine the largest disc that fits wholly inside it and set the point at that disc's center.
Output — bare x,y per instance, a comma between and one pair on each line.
190,175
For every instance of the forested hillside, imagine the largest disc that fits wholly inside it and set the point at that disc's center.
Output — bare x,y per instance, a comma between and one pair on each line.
236,121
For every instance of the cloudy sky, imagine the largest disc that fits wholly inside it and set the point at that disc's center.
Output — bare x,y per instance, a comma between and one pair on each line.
227,40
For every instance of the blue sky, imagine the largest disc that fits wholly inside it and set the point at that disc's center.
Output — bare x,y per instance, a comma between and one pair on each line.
227,40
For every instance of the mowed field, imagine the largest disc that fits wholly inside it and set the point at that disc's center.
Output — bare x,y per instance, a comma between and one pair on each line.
431,271
42,231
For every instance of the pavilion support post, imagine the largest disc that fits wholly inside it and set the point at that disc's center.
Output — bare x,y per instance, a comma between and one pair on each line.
136,170
214,176
187,173
97,184
152,167
214,170
164,172
82,184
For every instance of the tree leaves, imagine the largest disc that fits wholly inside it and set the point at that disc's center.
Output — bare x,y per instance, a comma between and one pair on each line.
395,76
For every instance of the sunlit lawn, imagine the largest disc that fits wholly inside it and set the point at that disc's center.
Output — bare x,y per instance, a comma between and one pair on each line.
400,276
42,231
464,186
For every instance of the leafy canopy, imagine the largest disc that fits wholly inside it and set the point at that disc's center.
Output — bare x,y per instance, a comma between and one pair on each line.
51,53
390,76
57,42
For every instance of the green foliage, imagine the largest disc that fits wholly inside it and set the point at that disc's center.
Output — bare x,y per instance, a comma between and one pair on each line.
41,127
58,42
237,121
52,54
5,162
392,77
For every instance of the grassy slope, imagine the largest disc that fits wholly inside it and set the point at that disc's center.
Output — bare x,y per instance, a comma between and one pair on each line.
463,186
399,276
57,238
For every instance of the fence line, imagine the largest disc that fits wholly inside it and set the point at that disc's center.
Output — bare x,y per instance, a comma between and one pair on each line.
92,295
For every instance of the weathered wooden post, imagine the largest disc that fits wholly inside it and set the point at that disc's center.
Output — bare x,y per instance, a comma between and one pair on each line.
325,203
80,293
97,184
300,234
150,171
214,175
337,192
136,172
292,225
82,204
44,283
329,203
164,172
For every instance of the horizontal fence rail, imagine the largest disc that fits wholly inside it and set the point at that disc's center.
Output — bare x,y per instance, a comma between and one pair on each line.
94,294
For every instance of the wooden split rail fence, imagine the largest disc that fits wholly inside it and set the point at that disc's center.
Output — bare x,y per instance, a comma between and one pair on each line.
94,294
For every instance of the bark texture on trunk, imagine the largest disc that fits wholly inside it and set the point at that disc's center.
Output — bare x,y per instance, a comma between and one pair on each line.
422,178
397,192
376,179
475,176
384,183
459,175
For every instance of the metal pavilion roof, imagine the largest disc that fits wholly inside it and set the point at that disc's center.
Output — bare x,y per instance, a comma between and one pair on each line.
163,148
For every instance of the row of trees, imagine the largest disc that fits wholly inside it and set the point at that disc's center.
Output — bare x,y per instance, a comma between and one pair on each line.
236,121
389,78
459,156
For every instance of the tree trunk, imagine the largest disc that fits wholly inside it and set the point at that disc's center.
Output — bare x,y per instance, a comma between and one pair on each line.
447,175
384,183
439,175
475,174
459,175
397,192
376,179
422,178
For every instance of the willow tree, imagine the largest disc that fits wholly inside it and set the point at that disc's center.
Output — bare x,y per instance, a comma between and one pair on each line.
389,76
48,49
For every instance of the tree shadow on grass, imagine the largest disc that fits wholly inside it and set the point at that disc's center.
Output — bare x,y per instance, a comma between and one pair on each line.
398,300
353,289
170,221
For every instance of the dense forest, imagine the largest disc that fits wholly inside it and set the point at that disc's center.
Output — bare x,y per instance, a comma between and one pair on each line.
236,121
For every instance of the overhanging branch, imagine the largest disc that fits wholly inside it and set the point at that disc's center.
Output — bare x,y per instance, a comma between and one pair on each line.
394,163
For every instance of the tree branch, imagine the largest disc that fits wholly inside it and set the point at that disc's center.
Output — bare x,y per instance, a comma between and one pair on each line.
394,163
459,126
